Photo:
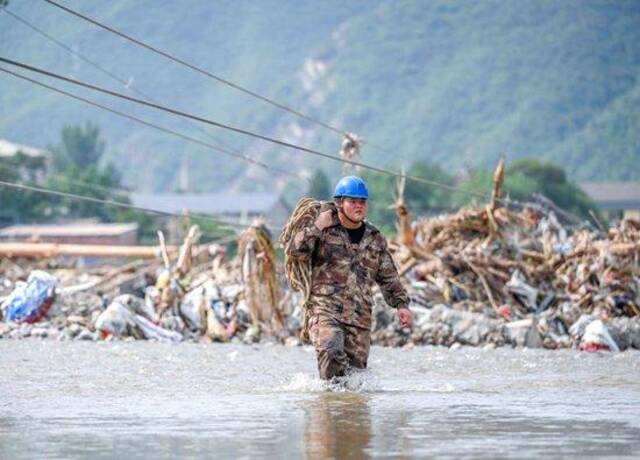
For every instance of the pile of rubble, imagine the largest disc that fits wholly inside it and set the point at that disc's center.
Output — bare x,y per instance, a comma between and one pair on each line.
198,297
492,276
484,276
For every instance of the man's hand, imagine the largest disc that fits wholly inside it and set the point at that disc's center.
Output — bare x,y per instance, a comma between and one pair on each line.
405,316
324,220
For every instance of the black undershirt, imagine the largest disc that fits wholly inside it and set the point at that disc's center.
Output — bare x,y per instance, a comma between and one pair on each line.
356,234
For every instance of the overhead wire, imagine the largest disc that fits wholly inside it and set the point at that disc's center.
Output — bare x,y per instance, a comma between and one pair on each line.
141,121
223,126
94,186
132,88
223,224
195,68
337,130
88,185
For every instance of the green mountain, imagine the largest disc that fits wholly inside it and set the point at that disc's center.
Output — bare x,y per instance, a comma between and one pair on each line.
459,84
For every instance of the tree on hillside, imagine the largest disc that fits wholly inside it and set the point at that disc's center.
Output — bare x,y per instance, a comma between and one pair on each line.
19,205
80,146
551,181
79,170
523,179
320,187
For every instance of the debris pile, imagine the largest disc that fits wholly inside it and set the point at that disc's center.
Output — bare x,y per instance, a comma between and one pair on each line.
485,276
200,296
259,276
492,275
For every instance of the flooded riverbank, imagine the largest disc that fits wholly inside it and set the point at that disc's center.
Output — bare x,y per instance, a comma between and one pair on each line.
151,400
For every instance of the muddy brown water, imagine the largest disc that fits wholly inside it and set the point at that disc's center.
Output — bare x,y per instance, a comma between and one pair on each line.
150,400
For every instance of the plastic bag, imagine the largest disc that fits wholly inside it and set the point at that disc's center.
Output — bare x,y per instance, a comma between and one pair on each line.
154,332
597,338
29,302
116,320
121,319
192,309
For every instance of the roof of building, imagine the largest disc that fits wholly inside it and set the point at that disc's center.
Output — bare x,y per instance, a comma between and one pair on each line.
9,149
614,195
208,203
68,230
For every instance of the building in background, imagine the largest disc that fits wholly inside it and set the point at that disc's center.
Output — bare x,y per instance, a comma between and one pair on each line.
28,162
242,208
73,233
616,200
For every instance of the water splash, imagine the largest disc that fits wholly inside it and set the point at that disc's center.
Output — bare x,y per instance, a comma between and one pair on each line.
303,383
365,382
357,382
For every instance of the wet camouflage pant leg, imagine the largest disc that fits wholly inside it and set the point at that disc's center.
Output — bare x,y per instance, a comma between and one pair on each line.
338,346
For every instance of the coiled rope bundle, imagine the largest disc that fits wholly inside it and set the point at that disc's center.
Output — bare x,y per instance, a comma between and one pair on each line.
297,270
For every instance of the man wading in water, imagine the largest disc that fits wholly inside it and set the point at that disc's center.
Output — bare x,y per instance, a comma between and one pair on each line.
347,256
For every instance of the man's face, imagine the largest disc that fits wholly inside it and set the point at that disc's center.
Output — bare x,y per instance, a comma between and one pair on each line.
355,208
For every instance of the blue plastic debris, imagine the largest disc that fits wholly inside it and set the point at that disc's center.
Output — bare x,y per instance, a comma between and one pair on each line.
29,302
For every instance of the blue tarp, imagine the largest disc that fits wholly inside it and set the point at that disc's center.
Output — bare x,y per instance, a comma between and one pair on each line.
30,301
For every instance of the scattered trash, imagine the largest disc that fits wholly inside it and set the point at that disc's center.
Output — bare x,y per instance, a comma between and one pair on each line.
519,266
596,338
526,294
29,302
259,276
524,333
123,318
485,276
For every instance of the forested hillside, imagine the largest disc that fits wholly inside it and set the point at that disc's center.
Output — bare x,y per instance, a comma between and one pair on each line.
454,83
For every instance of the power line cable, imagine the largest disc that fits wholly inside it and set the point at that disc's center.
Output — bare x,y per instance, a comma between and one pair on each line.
119,204
66,47
96,187
219,79
228,127
151,125
125,193
196,68
88,185
224,224
134,89
127,84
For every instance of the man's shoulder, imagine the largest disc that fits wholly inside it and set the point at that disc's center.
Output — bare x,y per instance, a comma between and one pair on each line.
373,229
376,235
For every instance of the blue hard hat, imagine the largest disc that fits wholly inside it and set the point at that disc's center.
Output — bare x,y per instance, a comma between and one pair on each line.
351,187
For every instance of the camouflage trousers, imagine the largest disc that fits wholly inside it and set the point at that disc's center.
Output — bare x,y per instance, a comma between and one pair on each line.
339,346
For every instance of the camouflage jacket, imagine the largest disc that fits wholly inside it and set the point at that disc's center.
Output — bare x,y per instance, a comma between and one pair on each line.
343,274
